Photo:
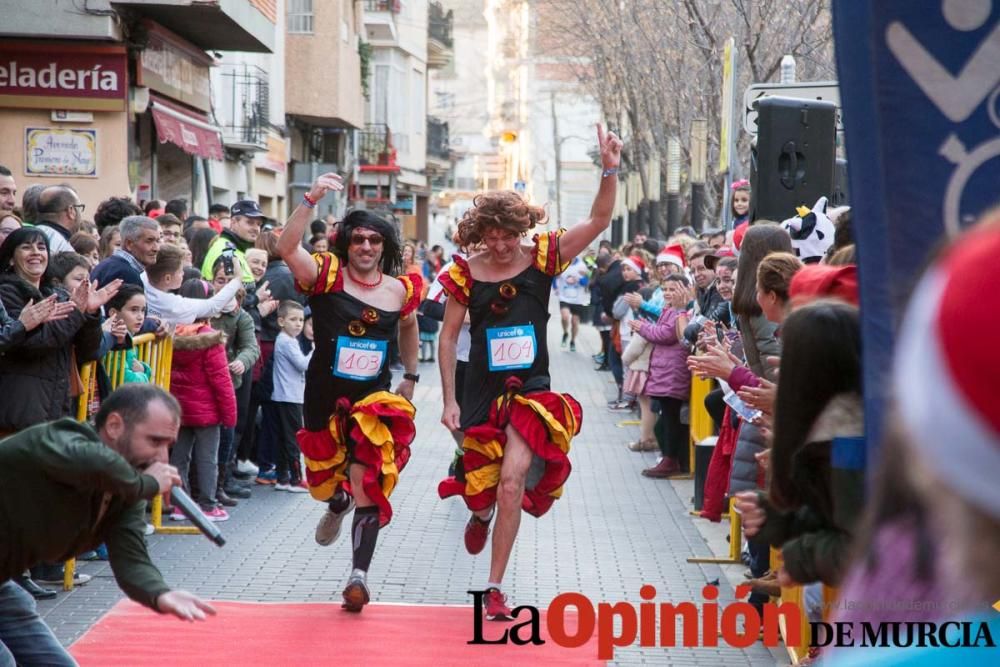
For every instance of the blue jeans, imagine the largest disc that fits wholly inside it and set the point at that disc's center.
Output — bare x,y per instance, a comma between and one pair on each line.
24,637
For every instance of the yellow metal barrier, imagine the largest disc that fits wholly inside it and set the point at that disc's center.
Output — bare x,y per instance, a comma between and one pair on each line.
735,540
795,594
158,354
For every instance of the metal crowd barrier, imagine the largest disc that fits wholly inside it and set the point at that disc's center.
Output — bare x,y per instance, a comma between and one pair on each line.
158,354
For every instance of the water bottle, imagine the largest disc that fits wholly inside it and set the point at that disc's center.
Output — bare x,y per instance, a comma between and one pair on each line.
788,69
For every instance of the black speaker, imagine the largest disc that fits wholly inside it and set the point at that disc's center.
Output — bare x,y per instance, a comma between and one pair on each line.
793,162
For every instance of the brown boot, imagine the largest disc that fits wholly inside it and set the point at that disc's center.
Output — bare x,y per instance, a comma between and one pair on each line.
667,467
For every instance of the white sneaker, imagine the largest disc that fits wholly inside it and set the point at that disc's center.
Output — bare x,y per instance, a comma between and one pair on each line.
295,488
282,487
328,529
247,468
149,529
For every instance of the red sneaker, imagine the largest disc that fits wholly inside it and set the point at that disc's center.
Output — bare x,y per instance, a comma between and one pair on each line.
476,532
667,467
496,606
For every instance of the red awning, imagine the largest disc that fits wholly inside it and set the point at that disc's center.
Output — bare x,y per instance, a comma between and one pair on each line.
188,132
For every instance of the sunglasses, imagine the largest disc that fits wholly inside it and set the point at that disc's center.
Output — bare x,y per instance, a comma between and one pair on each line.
374,239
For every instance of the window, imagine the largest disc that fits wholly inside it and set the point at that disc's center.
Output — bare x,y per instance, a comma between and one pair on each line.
300,17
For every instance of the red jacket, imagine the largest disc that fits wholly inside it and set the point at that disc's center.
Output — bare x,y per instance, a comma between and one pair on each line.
199,377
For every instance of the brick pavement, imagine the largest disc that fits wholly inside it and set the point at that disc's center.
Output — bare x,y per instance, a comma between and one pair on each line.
612,532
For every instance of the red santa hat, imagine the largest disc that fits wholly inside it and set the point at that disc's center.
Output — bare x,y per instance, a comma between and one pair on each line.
636,263
815,281
946,371
672,254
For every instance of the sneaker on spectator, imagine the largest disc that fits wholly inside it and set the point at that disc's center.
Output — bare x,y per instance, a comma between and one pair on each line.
268,477
215,513
236,490
53,576
247,467
282,486
328,528
149,529
620,406
496,606
177,515
297,488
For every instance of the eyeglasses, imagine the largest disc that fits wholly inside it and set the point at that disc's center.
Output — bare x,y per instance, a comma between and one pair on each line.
79,207
373,240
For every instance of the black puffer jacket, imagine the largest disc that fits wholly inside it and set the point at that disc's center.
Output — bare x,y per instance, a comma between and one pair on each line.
35,375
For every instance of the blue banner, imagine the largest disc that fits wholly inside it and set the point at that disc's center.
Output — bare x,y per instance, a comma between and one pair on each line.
919,83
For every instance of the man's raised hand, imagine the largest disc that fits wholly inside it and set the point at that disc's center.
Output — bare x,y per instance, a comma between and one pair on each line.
610,146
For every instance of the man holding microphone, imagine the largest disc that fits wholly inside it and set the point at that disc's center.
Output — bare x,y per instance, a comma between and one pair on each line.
66,488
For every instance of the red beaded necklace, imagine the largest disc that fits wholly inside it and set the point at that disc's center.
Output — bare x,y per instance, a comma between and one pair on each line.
363,283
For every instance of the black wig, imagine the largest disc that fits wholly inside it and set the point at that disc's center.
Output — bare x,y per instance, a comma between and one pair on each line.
392,249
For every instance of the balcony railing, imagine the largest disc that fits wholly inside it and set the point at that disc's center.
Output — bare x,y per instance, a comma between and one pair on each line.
437,139
393,6
439,24
244,106
376,151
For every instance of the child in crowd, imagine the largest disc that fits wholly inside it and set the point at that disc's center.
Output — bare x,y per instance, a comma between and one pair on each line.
68,270
165,276
242,352
257,261
288,394
199,379
127,311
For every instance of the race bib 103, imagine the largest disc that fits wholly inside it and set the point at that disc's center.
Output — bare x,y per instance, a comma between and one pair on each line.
511,348
359,358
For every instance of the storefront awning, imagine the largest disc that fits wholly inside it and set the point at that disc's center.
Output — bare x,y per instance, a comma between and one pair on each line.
185,130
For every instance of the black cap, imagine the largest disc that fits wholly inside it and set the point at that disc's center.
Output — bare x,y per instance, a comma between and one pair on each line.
246,207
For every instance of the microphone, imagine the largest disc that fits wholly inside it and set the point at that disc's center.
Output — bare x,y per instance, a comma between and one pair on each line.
191,510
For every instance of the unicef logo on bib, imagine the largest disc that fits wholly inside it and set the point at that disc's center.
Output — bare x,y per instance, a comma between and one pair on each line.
511,348
359,358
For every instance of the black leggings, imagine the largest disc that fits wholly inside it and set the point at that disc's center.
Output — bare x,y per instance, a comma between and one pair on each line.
674,444
716,407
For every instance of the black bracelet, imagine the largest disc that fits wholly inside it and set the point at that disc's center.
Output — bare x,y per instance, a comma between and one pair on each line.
414,377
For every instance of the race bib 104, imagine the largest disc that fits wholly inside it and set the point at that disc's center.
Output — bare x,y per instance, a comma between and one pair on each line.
359,358
511,348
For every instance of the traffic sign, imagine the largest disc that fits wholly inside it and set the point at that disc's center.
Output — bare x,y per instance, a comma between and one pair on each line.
807,90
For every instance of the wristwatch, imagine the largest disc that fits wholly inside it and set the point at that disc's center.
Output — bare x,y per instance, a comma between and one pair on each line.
414,377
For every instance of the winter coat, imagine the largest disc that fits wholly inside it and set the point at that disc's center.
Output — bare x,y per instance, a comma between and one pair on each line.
815,539
241,340
282,285
668,371
199,377
12,331
35,375
760,341
636,355
132,376
113,268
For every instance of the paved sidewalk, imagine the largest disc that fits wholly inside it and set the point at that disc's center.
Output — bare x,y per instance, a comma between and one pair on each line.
612,532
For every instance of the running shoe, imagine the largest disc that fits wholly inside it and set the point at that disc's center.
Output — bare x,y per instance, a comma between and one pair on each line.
496,606
476,532
565,339
328,529
177,515
356,594
215,514
572,346
268,477
247,468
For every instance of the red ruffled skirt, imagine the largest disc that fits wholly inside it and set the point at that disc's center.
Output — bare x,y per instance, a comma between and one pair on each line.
546,420
375,432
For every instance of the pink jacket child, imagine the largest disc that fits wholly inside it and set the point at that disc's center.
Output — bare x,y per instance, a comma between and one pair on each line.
199,377
668,372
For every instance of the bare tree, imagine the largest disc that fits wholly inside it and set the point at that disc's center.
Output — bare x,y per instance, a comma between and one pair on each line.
656,65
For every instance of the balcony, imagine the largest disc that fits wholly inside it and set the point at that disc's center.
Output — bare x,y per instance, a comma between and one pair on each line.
224,25
439,41
438,147
380,21
242,107
376,151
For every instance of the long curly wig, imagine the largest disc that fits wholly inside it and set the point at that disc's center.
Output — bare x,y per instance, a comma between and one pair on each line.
503,209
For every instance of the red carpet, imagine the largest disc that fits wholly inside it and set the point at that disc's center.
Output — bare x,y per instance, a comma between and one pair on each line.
289,634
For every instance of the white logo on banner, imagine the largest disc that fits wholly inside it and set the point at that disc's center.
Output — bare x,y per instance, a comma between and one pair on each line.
956,96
